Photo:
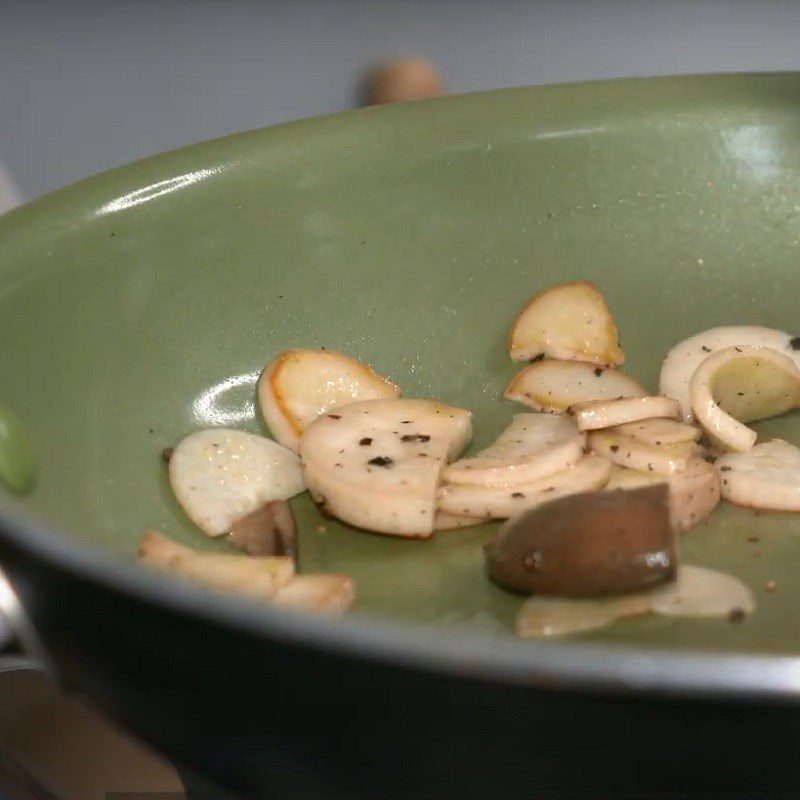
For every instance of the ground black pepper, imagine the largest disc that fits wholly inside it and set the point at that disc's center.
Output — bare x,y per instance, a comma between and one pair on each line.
381,461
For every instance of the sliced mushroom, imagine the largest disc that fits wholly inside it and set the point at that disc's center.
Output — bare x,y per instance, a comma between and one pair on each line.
587,545
627,452
686,357
624,478
542,616
501,502
533,446
299,385
245,575
377,464
445,521
767,477
569,321
659,431
694,492
741,384
269,578
554,386
607,413
221,475
268,531
318,592
697,592
700,592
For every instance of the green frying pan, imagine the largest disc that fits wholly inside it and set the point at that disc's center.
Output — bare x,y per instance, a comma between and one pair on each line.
141,305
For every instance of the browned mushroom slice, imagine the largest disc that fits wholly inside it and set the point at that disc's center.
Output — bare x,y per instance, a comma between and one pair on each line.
587,545
267,531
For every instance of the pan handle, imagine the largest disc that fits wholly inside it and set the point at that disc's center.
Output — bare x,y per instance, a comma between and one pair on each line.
20,647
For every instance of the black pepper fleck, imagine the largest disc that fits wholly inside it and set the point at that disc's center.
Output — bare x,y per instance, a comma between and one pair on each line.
598,371
738,349
366,441
794,342
415,437
741,394
710,459
705,349
614,448
725,469
517,494
737,615
381,461
334,416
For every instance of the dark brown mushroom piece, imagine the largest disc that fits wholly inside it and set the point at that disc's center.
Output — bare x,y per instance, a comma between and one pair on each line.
587,545
268,531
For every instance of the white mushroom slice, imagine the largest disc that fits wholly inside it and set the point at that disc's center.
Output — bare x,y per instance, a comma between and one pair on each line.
659,431
624,478
299,385
501,502
694,491
685,358
321,592
607,413
253,576
700,592
741,384
220,475
554,386
570,321
629,453
444,521
534,445
542,617
697,592
767,477
377,464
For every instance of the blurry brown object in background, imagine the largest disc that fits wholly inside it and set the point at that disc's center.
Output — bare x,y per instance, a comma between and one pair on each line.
401,79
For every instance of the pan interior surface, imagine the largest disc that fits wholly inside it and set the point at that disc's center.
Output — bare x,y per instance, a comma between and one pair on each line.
141,305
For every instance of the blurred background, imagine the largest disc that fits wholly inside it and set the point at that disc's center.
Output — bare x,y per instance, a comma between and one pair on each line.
87,84
90,84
